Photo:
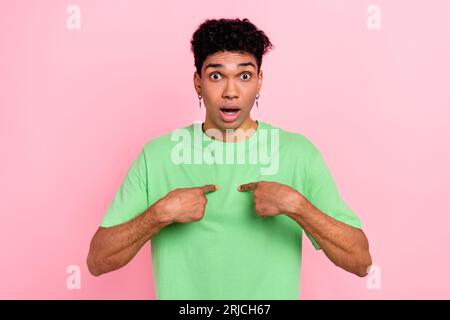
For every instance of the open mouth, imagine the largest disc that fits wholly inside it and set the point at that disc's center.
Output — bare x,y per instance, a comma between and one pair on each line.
229,110
229,114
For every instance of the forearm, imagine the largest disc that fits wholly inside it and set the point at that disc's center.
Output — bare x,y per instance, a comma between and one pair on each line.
112,248
346,246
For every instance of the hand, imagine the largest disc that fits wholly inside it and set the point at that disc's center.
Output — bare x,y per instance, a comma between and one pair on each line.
183,204
273,198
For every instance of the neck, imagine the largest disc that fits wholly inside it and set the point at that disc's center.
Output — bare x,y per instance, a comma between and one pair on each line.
247,129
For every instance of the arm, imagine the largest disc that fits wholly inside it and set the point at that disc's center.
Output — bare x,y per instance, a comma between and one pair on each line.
347,247
112,248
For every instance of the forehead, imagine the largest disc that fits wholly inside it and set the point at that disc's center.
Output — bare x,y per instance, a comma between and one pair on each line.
229,58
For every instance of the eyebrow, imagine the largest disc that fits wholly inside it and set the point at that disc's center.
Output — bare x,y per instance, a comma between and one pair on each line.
219,65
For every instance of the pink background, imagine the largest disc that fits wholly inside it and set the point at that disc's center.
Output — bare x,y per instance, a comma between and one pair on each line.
76,106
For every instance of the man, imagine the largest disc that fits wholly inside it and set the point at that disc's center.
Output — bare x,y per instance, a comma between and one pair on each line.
225,202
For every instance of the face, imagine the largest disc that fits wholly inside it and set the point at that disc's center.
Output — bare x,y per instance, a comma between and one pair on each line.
229,85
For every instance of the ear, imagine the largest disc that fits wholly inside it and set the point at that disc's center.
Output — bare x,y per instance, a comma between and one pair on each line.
197,83
260,79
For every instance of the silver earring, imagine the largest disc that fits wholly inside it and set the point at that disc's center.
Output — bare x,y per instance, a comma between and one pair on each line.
257,97
199,101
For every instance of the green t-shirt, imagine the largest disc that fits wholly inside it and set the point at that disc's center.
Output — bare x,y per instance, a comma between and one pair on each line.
231,253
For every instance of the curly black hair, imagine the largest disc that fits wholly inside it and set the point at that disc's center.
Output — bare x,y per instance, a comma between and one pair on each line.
233,35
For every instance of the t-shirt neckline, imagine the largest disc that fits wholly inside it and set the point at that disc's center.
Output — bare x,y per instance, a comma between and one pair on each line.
208,139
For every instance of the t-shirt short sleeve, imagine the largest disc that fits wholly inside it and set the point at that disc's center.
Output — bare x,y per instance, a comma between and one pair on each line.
130,199
322,192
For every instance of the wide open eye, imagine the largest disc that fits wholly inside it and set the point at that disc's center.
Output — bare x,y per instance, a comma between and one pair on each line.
246,76
215,76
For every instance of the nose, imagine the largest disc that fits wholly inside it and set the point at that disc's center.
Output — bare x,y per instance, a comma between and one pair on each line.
230,91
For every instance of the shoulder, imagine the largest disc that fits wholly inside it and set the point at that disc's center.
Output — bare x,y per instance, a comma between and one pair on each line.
295,140
164,142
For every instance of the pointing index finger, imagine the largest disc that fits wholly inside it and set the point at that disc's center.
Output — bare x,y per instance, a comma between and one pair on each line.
248,186
209,188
